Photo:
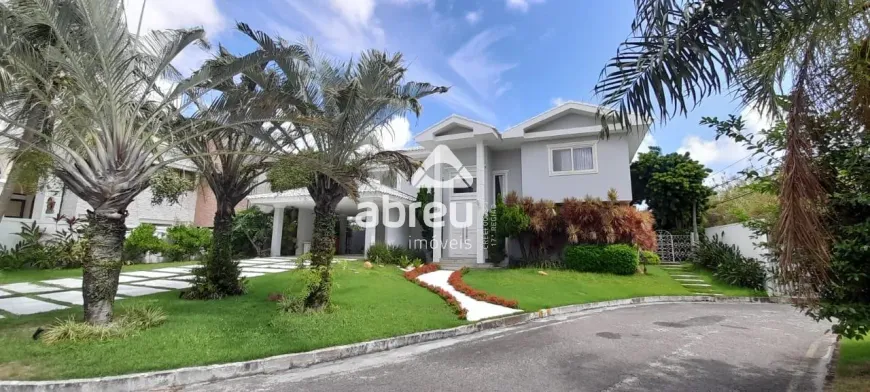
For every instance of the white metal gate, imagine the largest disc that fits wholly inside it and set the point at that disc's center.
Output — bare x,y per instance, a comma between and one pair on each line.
675,248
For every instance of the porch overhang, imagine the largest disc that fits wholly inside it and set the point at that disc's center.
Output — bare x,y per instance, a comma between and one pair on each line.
300,198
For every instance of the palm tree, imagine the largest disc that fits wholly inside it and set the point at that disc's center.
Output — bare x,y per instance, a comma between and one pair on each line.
233,161
681,52
345,107
110,134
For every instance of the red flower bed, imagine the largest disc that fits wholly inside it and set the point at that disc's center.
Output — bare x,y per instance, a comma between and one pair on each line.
456,281
449,298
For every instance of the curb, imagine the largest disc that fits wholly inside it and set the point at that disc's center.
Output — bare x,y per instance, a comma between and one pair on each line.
211,373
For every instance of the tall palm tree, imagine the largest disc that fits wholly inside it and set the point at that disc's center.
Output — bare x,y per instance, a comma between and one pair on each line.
345,107
110,135
29,110
681,52
233,161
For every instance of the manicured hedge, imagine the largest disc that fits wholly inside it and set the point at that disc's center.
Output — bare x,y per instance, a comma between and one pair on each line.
617,259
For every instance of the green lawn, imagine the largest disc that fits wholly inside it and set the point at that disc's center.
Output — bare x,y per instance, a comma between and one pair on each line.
722,287
33,275
370,304
853,367
559,287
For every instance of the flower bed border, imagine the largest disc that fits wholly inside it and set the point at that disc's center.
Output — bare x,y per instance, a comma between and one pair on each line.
456,281
412,275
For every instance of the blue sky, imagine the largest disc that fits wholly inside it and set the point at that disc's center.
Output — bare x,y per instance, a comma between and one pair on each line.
505,60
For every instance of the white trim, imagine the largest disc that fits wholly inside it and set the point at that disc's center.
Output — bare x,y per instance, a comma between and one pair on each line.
565,146
504,183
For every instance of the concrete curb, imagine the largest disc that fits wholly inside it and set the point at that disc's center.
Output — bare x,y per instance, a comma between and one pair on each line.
202,374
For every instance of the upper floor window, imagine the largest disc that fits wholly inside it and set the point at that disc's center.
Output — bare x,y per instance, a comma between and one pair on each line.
573,158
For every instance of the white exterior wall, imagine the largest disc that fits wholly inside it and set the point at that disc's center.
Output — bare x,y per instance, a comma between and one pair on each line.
740,236
141,210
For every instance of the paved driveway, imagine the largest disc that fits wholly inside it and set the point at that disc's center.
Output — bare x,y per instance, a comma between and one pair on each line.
667,347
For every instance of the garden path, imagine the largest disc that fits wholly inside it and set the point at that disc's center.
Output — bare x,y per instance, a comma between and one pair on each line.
477,310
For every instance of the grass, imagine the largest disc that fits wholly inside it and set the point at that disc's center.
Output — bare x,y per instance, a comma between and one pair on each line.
853,366
34,275
560,287
370,304
722,287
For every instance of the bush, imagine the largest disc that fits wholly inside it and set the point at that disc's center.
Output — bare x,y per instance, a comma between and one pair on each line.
67,248
393,255
728,265
142,240
252,232
379,254
617,259
135,319
185,242
650,258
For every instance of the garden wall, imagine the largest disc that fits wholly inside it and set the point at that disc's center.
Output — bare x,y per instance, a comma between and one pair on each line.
740,236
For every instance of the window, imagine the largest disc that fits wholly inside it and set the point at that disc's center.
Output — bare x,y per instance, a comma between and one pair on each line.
499,185
576,158
459,186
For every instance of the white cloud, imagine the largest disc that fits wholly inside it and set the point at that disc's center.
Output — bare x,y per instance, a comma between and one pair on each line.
174,14
357,12
344,28
396,134
521,5
645,144
756,121
473,17
557,101
457,98
473,62
708,152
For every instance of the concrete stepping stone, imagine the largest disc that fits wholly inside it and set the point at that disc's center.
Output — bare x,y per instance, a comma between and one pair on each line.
5,293
174,270
279,267
258,262
260,270
127,279
685,276
28,288
164,283
151,274
69,283
71,297
689,280
696,285
24,305
185,278
246,274
136,291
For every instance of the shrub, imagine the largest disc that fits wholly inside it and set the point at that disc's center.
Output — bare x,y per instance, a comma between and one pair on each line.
185,242
617,259
379,254
67,248
650,258
729,265
135,319
142,240
252,231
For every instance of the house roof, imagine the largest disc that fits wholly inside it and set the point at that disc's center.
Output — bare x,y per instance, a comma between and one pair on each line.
475,129
582,108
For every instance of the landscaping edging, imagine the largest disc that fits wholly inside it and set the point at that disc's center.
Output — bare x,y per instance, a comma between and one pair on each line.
201,374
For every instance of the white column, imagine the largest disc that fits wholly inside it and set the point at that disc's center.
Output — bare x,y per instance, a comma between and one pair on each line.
436,231
371,235
304,229
277,230
481,200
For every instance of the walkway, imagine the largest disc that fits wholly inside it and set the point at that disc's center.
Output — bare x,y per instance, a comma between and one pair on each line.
477,310
54,294
707,347
690,280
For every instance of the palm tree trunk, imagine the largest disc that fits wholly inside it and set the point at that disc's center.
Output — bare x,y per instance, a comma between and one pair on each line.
222,272
100,272
323,247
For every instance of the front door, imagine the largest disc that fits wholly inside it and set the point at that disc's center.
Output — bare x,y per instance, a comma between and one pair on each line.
463,240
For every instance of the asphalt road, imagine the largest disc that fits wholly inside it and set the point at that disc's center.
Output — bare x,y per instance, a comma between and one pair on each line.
669,347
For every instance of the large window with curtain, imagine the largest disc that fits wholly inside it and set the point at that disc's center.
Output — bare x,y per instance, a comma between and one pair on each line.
573,158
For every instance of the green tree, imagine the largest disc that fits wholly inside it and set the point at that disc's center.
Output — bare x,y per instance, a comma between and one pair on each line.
681,52
670,184
252,231
111,132
343,107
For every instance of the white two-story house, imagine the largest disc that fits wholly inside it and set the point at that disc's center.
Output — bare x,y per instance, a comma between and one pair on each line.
554,155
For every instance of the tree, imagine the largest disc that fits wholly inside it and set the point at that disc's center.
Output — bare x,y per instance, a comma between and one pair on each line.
345,106
233,160
670,185
111,132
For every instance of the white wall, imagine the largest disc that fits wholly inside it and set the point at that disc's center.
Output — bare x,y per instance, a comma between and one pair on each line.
740,236
142,211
